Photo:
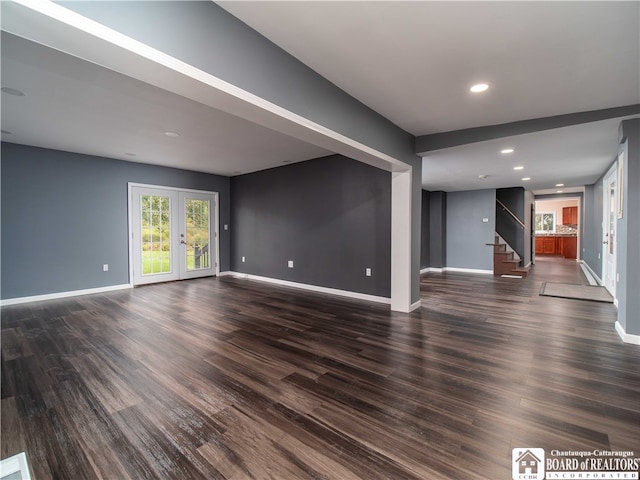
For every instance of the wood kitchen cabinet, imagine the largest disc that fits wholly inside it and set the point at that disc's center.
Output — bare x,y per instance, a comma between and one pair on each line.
570,216
569,247
552,245
546,245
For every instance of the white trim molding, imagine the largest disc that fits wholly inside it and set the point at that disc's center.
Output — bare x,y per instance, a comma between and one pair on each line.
455,269
627,337
54,296
313,288
467,270
589,273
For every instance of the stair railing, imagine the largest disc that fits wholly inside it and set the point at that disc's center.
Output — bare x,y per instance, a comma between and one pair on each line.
513,215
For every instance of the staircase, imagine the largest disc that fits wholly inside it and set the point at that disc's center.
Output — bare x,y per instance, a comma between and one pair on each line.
504,261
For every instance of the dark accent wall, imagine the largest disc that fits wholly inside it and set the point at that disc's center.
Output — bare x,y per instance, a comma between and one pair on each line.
64,215
331,216
506,226
438,229
434,230
424,232
628,231
591,240
467,235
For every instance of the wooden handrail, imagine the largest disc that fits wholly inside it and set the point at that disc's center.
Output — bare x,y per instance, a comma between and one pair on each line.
511,213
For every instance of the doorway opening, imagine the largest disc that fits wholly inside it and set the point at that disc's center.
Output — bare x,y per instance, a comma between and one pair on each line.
557,228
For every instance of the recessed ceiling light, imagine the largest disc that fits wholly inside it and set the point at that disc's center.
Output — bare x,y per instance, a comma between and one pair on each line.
172,134
129,154
526,179
12,91
7,132
483,176
520,167
479,88
286,161
559,184
506,151
560,191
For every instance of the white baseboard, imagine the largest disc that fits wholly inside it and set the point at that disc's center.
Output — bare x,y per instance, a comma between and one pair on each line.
454,269
588,272
313,288
468,270
415,305
53,296
627,337
431,269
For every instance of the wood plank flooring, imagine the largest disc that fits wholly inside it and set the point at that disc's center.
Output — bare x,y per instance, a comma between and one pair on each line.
225,378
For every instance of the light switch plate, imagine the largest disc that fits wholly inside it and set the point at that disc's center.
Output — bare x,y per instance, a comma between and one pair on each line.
290,264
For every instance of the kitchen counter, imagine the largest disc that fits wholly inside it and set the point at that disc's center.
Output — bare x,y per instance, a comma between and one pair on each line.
556,235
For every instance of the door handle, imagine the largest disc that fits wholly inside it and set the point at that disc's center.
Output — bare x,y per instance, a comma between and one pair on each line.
183,242
605,242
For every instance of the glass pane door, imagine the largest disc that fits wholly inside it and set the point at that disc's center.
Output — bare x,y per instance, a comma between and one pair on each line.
173,234
197,238
155,231
154,224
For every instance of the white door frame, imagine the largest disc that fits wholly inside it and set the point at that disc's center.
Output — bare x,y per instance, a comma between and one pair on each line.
609,274
215,221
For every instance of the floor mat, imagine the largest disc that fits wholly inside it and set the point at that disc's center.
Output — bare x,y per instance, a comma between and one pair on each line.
580,292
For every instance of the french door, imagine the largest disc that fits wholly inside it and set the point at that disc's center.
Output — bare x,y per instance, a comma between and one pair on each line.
609,240
173,234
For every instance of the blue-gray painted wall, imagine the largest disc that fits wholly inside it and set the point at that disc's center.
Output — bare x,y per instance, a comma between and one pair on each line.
64,215
628,231
331,216
591,240
467,236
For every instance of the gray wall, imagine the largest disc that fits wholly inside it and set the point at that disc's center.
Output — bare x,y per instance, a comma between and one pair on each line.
438,229
65,214
331,216
424,232
628,231
467,235
591,240
206,36
434,229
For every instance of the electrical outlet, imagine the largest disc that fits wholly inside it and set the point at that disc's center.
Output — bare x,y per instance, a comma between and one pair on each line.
367,272
290,264
105,267
226,227
243,259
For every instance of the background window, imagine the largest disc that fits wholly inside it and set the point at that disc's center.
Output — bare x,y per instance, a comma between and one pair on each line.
545,222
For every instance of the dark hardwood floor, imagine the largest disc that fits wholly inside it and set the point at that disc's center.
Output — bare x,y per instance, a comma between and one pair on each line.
224,378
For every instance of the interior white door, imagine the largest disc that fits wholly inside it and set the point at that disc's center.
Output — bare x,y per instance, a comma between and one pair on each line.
173,234
609,240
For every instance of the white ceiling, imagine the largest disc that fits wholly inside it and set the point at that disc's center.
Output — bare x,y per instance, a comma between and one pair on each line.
411,61
70,104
